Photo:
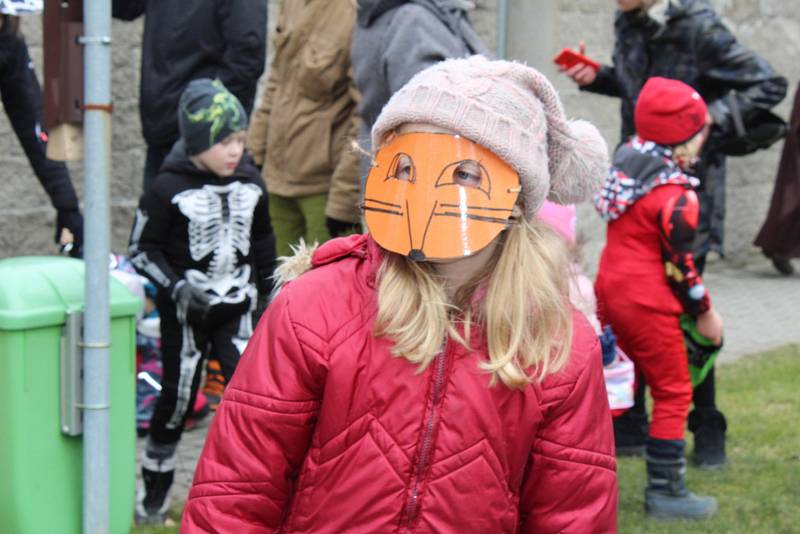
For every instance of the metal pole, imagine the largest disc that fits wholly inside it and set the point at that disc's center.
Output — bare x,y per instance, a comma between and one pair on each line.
502,28
96,355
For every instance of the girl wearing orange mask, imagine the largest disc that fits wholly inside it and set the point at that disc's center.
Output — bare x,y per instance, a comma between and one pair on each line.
430,376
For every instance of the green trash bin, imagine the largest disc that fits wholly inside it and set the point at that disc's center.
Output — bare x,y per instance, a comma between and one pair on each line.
40,463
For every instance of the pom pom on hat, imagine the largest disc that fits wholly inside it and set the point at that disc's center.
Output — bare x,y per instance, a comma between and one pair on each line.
515,112
669,112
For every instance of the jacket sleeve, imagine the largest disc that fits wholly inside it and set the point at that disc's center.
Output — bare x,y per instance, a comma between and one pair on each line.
149,240
345,191
726,63
244,28
261,432
263,242
605,83
22,100
677,222
127,9
571,484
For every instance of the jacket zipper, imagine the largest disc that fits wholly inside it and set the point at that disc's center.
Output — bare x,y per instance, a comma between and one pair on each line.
412,505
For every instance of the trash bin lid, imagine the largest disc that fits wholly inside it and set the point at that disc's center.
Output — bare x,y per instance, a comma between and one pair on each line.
38,291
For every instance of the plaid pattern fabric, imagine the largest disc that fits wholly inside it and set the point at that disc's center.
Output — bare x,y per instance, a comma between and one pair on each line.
624,187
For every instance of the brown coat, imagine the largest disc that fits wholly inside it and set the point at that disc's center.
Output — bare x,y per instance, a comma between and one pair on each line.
303,128
780,235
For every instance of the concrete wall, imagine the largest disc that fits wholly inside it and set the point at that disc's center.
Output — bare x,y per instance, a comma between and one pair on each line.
537,28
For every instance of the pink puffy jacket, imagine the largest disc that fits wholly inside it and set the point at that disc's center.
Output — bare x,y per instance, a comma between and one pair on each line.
322,430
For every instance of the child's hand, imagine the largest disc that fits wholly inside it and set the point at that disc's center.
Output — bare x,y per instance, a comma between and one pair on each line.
709,324
189,298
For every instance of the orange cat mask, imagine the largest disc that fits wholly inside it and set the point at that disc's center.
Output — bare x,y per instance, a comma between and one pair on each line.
438,196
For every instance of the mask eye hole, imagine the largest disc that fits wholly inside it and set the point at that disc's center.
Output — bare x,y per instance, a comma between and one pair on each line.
402,168
467,173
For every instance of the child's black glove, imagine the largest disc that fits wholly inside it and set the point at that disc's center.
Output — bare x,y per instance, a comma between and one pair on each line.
191,300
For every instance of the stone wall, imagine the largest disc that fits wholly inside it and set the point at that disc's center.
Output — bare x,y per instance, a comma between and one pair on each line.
769,27
537,28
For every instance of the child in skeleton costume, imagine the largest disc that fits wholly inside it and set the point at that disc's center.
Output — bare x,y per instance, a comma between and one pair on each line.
647,277
202,235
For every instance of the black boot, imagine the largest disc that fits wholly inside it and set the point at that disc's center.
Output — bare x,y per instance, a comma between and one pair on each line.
630,428
708,426
666,496
158,472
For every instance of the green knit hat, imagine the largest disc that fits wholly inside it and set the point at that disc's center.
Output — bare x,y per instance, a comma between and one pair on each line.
207,114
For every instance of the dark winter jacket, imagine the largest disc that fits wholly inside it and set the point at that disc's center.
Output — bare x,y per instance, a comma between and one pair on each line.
693,46
210,231
394,40
323,430
183,41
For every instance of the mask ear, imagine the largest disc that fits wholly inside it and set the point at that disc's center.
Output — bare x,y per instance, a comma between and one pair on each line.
578,163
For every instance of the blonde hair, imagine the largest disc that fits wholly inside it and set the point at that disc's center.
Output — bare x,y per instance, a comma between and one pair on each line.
689,150
525,312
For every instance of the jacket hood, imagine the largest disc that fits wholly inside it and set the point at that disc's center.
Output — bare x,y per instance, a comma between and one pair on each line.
177,161
638,167
309,256
370,10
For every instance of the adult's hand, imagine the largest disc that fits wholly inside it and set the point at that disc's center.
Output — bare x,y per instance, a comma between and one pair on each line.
709,324
581,74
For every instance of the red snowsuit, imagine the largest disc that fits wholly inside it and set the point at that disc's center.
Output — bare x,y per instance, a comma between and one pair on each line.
647,278
322,430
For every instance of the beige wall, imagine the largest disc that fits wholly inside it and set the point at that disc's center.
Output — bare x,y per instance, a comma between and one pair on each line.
537,28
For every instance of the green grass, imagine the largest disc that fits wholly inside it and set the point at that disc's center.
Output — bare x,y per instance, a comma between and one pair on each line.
759,489
174,515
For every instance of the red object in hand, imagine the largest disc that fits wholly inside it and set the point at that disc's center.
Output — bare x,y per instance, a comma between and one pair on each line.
568,58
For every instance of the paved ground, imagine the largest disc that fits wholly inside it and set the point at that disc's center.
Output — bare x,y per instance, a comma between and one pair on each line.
761,311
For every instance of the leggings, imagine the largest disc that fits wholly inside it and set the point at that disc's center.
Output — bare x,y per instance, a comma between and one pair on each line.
184,348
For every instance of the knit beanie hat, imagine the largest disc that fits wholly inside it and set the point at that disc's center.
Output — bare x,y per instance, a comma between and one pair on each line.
515,112
207,114
668,112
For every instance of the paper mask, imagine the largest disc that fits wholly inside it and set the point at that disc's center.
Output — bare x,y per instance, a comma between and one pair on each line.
438,196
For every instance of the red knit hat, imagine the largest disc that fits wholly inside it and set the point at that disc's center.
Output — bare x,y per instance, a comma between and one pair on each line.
669,112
